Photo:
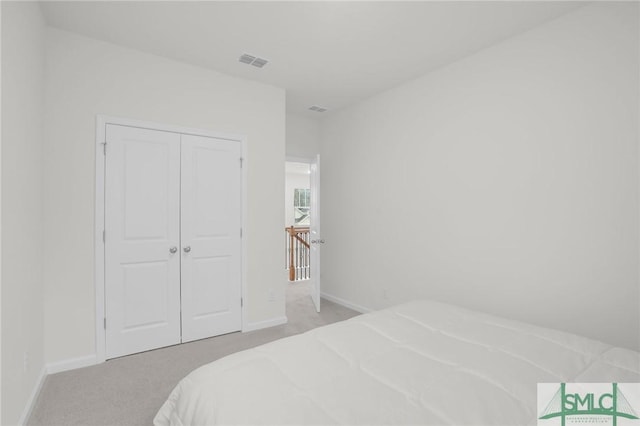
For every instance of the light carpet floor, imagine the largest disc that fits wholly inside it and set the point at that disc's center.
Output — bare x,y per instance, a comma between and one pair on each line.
131,389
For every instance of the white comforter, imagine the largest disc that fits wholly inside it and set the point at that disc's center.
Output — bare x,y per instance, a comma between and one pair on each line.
417,363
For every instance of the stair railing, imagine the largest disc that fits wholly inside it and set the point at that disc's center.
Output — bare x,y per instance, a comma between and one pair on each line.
297,252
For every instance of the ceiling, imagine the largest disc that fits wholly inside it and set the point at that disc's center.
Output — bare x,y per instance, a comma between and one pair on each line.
327,53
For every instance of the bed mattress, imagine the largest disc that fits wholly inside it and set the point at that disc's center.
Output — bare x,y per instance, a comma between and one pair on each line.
418,363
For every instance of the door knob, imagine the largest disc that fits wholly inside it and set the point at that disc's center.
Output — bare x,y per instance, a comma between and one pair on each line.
173,250
187,249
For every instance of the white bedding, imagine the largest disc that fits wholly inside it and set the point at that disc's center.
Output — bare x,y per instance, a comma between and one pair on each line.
417,363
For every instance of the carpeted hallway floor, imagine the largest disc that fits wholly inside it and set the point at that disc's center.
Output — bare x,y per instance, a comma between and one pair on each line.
131,389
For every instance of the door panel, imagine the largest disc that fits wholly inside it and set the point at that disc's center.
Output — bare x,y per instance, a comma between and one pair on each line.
139,281
212,299
142,217
145,189
210,228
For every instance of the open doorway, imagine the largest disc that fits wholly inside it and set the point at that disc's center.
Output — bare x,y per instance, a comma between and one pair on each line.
297,247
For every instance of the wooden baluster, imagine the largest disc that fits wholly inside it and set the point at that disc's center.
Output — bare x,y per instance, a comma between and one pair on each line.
309,258
306,256
292,272
300,252
298,271
295,257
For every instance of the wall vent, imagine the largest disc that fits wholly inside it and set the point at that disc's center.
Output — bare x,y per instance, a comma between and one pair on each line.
253,60
317,108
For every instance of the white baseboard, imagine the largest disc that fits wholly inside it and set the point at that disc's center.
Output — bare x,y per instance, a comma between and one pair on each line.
71,364
264,324
346,303
55,367
31,402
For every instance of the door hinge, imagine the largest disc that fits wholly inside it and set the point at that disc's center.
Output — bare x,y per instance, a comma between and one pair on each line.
241,159
104,236
241,302
104,148
105,323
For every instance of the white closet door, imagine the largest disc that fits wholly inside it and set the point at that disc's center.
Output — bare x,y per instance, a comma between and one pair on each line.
210,227
142,217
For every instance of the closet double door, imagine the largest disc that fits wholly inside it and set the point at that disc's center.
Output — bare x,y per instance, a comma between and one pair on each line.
172,238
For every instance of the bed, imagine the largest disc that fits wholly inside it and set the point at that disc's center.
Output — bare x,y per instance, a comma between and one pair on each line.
421,362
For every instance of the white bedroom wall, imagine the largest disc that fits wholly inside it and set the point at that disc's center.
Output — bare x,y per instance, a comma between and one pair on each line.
506,182
23,31
303,136
86,77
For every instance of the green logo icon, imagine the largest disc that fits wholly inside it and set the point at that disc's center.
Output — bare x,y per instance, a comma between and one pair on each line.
565,404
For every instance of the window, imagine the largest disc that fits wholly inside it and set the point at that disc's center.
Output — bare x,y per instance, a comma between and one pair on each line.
301,202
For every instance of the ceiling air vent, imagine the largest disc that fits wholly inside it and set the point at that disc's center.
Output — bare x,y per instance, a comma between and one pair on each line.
247,59
317,108
259,62
253,60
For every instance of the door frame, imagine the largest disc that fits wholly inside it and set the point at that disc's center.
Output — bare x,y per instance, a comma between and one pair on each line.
309,161
315,226
99,223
